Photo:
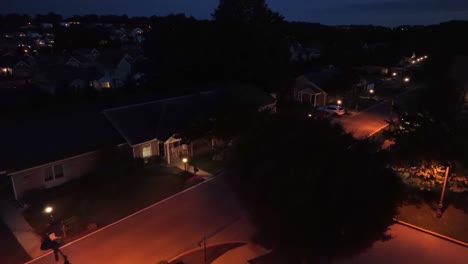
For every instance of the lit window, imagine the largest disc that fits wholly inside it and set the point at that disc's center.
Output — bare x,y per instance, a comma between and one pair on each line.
106,84
147,151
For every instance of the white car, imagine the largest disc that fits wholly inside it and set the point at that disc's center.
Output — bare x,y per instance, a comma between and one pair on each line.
334,110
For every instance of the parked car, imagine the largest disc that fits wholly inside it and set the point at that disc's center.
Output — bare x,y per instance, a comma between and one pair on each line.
334,110
322,115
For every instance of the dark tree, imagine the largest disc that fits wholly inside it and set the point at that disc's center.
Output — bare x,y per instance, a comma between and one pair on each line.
251,43
50,17
311,189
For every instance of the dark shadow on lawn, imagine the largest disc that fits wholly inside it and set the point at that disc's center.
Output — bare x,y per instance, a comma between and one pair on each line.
212,253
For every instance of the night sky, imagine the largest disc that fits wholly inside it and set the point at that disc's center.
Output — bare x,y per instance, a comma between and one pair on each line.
330,12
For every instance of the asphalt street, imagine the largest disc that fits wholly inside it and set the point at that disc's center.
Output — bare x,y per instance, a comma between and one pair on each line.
178,224
162,231
367,122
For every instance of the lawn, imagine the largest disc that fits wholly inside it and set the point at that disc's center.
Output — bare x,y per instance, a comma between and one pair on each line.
205,162
453,222
112,192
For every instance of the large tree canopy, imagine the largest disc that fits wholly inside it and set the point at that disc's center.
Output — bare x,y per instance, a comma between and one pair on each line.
311,189
251,44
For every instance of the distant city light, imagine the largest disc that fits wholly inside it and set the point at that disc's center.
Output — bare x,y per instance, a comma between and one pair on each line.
407,79
413,62
339,102
309,115
394,74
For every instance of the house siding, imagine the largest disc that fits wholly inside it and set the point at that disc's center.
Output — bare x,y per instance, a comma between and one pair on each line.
138,149
73,168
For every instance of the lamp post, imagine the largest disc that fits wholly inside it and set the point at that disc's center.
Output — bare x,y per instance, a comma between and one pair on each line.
441,201
339,102
185,161
48,210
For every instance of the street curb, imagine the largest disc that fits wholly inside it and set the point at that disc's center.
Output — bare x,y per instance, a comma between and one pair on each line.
210,245
461,243
128,216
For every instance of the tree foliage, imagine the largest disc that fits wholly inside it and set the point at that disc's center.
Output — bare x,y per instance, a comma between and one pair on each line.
251,44
311,189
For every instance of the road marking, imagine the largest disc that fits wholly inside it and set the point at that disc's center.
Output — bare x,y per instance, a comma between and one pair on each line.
377,131
461,243
127,217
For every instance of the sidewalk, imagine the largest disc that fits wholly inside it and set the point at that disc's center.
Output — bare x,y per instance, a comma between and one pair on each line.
24,233
190,168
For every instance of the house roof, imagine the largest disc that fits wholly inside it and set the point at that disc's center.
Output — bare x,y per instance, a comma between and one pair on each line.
322,78
159,119
164,118
63,75
308,86
11,60
32,141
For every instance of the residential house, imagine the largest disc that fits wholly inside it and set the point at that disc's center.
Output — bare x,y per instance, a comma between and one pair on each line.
304,52
67,79
117,67
58,147
43,152
153,128
20,66
309,88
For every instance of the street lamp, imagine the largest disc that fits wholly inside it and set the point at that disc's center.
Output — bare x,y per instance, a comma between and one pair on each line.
185,161
407,79
48,210
440,207
339,102
394,74
371,91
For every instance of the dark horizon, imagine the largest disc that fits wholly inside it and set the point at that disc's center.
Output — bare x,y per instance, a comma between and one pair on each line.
388,13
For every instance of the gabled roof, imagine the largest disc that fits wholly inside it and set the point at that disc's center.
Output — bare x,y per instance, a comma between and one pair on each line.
164,118
43,138
11,60
160,119
63,75
306,85
322,78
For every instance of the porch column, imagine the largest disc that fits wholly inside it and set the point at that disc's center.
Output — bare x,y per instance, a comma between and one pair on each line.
168,154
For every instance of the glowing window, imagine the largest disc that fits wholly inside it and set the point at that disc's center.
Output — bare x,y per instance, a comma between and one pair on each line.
147,151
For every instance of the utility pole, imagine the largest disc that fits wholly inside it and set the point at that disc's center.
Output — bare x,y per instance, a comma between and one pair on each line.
441,201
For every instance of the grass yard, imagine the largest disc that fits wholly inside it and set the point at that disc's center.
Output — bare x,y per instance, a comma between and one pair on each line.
205,162
110,193
453,222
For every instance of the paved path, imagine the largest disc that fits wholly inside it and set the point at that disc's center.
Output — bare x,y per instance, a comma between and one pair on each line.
162,231
21,229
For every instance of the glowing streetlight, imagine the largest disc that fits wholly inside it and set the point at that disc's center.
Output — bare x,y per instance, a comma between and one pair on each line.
185,161
413,62
48,210
339,102
425,57
371,91
309,115
407,79
394,74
